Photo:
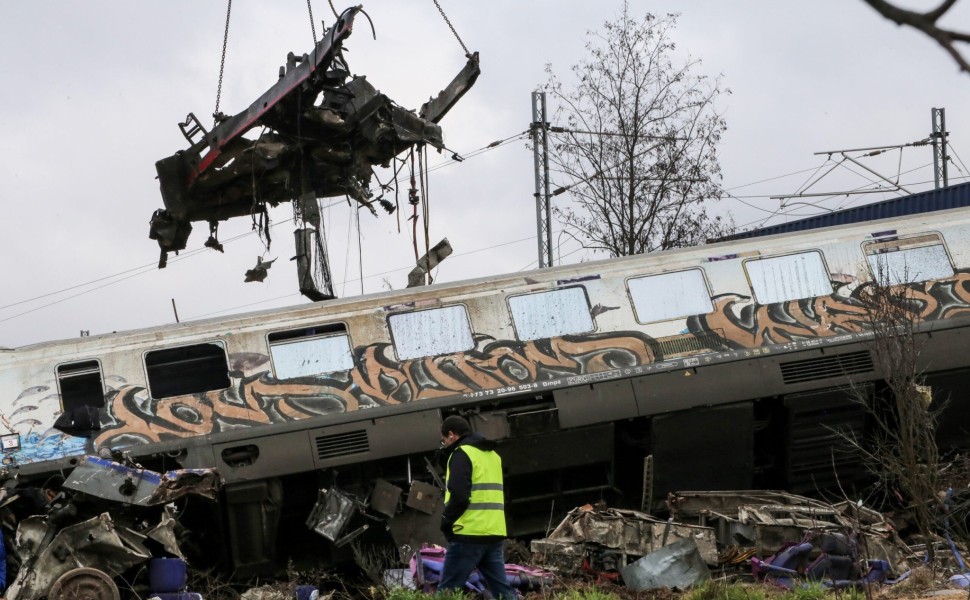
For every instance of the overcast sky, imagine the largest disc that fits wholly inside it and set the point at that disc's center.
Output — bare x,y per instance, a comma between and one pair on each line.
92,93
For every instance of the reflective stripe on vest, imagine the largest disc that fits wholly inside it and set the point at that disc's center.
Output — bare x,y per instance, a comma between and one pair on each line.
485,514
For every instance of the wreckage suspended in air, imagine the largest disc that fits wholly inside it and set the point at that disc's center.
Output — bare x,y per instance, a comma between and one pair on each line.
324,132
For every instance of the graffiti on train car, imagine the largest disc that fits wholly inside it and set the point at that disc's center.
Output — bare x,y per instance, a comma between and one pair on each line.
495,367
740,323
378,380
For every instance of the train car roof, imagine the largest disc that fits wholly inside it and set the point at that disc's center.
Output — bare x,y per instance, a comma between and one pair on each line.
560,275
954,196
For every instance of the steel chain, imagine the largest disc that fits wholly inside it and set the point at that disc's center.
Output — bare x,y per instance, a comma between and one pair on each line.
313,28
452,27
222,62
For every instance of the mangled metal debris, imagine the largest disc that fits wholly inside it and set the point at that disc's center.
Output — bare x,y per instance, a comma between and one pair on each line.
770,520
66,549
675,566
323,133
114,481
608,539
95,543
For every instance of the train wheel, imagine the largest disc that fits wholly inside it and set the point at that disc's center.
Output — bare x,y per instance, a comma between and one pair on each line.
84,583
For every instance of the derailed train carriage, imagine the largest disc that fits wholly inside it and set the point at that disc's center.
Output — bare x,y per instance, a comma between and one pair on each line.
725,366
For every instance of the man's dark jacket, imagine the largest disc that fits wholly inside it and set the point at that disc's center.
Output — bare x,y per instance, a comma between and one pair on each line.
460,488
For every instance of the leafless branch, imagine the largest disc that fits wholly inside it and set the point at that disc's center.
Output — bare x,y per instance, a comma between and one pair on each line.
927,22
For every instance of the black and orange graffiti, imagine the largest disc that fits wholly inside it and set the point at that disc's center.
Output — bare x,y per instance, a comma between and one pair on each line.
376,380
740,323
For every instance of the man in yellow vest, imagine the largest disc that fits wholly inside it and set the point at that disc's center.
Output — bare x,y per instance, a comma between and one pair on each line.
474,518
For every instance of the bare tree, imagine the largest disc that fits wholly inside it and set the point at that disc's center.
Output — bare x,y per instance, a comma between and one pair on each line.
637,148
928,23
902,453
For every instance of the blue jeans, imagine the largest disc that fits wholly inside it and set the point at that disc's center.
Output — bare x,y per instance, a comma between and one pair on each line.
461,559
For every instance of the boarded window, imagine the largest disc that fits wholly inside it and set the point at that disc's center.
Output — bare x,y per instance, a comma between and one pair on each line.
670,296
81,385
310,351
186,370
431,332
551,314
920,258
790,277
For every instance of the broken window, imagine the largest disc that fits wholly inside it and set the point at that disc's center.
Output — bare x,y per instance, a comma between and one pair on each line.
80,385
551,314
187,370
910,260
431,332
789,277
310,351
670,296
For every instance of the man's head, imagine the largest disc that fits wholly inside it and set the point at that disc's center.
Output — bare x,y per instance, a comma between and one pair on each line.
453,428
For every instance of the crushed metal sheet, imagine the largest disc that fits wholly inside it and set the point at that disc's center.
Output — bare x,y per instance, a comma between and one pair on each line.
116,482
769,520
331,513
630,533
98,543
675,566
164,534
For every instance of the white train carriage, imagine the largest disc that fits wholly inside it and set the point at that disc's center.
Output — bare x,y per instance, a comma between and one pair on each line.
729,364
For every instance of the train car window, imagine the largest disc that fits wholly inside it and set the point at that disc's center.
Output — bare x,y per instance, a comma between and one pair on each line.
908,260
789,277
310,351
431,332
81,385
187,370
551,314
670,296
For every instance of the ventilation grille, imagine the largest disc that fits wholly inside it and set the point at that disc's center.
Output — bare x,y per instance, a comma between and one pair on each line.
687,344
342,444
826,367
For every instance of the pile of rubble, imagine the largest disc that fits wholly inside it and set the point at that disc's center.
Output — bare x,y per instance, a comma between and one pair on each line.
774,535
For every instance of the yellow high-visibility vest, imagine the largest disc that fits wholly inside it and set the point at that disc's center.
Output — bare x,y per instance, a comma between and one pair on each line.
485,514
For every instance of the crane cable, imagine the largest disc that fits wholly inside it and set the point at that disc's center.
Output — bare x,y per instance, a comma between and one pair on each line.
452,27
313,28
222,62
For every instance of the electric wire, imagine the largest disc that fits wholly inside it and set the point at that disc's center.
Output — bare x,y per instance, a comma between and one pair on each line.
382,273
150,267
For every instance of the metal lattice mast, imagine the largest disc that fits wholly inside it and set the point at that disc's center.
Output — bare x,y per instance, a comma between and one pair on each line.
940,157
540,152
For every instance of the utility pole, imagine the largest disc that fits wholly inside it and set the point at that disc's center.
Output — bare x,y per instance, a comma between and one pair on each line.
540,139
940,157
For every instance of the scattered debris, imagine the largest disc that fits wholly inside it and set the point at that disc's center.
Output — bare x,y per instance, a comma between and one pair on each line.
605,540
675,566
768,521
427,563
62,549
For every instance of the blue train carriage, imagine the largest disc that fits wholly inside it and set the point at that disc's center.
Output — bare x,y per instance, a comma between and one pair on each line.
724,366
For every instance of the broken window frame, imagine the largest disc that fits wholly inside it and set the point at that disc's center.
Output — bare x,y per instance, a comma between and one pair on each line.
182,383
306,336
71,373
543,309
900,248
766,293
467,343
644,319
